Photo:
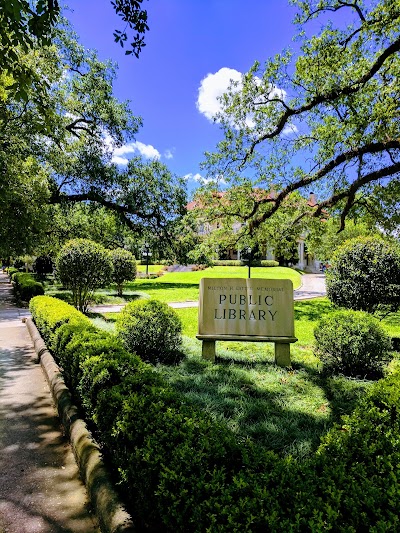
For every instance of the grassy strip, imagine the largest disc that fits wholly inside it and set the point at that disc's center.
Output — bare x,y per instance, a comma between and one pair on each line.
180,286
182,470
284,411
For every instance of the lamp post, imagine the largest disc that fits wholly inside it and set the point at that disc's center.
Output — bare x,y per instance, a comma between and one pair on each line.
246,253
249,258
146,253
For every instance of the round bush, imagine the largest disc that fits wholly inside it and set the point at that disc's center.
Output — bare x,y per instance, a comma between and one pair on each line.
124,267
352,343
365,276
83,266
43,265
151,329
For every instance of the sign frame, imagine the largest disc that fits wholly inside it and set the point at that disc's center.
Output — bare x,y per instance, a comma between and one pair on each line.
246,310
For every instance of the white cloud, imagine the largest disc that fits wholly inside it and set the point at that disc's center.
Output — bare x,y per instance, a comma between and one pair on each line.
194,177
119,160
168,154
214,86
204,181
146,150
290,129
124,149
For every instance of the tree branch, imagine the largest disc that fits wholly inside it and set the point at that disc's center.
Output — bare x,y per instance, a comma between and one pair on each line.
331,165
326,98
352,5
74,125
352,190
124,211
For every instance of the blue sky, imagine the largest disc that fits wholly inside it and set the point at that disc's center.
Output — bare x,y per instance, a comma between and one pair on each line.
189,49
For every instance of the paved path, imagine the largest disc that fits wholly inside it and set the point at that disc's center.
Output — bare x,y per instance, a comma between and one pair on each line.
313,286
40,491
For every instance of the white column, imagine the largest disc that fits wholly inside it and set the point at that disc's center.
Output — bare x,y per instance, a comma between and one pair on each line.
302,262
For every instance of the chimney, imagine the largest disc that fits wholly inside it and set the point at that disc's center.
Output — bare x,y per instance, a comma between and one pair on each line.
312,200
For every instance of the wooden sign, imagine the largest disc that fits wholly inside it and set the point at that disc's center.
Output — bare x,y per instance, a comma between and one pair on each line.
246,309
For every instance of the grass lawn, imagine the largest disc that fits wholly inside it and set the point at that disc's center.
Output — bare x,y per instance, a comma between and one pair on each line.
285,410
152,268
181,286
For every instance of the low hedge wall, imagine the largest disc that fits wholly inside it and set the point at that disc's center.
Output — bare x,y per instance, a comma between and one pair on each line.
181,471
11,271
255,263
25,286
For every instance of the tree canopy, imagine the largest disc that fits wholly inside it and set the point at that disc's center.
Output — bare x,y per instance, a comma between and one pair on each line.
324,120
56,147
25,23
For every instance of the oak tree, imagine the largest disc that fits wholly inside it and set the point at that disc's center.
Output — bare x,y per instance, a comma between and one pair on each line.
325,119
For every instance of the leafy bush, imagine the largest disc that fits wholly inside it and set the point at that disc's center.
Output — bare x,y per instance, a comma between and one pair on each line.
352,343
181,471
11,271
255,262
50,313
124,267
25,286
151,329
365,276
83,266
43,265
19,264
226,262
266,263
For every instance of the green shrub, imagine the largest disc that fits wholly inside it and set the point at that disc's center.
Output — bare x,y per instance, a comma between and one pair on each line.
84,345
151,329
99,373
365,275
19,264
11,271
163,442
25,286
50,313
227,262
181,471
83,266
352,343
255,262
124,268
266,263
43,265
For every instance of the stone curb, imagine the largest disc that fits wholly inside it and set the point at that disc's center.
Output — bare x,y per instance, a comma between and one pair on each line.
111,515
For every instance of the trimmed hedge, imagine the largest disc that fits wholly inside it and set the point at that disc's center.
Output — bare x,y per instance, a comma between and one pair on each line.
152,329
352,343
50,313
11,271
255,263
180,471
25,286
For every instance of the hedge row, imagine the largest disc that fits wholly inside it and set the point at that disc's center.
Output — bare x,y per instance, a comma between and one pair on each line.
181,471
255,263
25,286
11,271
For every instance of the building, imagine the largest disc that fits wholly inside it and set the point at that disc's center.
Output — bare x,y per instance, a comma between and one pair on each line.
305,261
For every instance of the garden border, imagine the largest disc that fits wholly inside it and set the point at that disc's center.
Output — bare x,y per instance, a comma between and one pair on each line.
112,516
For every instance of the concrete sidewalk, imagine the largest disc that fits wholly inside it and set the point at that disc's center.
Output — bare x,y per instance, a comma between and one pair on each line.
312,286
40,489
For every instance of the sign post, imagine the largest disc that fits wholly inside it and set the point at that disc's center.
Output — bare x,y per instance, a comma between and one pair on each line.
147,254
251,310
